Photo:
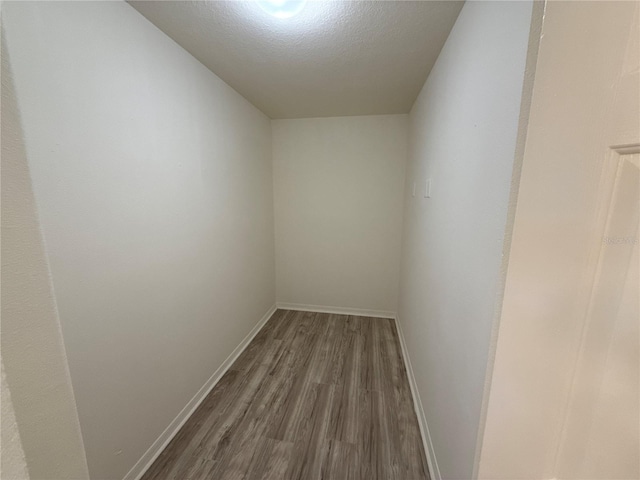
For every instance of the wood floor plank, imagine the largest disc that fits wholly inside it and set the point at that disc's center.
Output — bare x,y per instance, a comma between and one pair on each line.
339,341
308,455
407,422
344,414
271,461
341,461
313,397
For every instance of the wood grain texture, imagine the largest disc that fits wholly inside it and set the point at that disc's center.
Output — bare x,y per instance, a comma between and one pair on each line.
314,396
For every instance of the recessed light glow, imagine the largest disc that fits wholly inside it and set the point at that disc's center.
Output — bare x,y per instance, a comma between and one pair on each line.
282,8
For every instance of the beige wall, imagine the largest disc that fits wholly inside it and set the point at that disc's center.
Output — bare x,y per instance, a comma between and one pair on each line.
564,394
463,132
13,465
37,384
338,186
154,190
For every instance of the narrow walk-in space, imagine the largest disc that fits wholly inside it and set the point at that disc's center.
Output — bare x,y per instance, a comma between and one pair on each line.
320,240
314,396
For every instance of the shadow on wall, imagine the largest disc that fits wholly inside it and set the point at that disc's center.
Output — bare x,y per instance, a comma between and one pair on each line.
33,354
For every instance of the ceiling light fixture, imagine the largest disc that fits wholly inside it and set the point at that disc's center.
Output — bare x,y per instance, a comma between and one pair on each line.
282,8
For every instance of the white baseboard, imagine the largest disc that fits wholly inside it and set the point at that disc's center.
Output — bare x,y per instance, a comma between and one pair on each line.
165,437
337,310
417,405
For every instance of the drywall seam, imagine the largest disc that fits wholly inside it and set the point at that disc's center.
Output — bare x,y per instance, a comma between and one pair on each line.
337,310
173,428
535,32
434,471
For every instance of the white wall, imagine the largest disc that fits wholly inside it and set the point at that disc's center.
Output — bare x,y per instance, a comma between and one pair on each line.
552,412
37,385
463,132
338,186
154,189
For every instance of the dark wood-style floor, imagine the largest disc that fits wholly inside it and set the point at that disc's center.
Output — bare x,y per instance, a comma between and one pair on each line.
314,396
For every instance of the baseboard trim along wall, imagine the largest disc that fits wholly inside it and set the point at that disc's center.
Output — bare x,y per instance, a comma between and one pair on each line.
172,429
337,310
417,405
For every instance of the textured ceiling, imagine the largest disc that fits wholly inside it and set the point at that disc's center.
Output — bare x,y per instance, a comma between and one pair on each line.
334,58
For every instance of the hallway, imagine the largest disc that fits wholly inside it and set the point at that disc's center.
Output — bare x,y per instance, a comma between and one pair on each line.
314,396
